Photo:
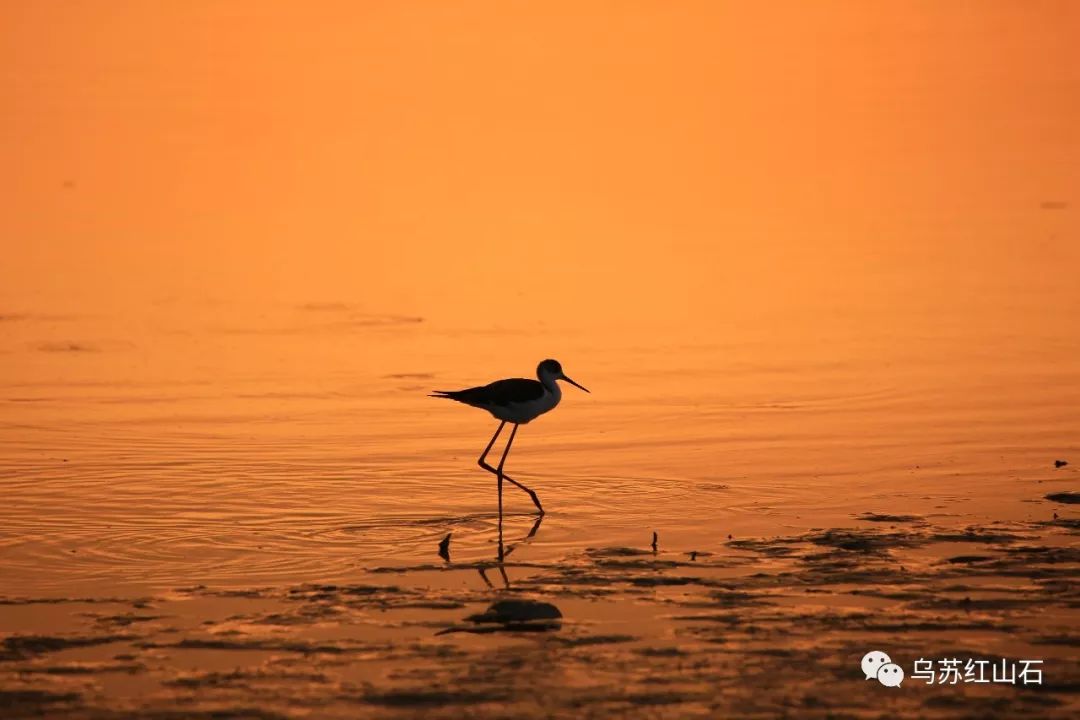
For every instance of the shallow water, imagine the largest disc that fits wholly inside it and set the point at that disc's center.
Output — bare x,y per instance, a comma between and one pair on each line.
146,466
266,543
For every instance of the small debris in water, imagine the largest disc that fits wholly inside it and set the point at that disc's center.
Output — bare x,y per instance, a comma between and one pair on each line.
1060,463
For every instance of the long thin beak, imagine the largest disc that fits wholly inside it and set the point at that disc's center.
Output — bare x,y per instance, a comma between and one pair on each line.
575,384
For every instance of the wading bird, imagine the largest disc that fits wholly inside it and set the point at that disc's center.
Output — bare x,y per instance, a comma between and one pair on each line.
516,401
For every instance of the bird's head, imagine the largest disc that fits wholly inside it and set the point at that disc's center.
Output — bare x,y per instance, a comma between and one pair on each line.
551,369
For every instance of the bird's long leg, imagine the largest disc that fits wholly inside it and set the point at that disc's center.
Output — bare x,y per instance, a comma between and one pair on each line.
533,495
499,473
500,522
506,451
512,481
483,455
482,463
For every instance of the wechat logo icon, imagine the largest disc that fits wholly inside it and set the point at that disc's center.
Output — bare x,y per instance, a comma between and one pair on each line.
876,664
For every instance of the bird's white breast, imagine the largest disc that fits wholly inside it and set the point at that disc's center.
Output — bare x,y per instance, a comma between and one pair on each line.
523,412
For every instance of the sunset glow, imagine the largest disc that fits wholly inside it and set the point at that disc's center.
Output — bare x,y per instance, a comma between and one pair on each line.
815,261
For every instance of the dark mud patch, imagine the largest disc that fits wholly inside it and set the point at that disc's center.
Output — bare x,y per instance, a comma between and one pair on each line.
968,603
664,652
306,615
1068,497
774,547
617,552
21,647
33,703
1042,555
592,640
1070,524
861,541
86,668
125,619
383,596
244,678
318,592
1060,639
67,600
968,559
729,599
887,518
973,534
435,697
307,648
220,713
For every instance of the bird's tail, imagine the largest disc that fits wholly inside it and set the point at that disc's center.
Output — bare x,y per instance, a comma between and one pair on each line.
461,396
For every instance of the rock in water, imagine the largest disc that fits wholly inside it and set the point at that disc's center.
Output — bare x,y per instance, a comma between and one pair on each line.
518,612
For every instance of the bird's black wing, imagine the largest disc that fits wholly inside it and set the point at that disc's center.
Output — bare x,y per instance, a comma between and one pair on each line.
500,392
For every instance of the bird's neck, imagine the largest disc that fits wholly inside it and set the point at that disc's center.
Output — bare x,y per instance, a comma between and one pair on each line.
550,385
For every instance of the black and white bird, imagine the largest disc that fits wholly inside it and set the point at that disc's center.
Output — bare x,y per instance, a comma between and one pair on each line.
516,401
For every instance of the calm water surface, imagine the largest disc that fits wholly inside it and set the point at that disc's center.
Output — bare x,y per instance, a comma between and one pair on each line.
145,449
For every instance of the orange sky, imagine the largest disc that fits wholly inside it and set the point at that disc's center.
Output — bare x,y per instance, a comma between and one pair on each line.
433,158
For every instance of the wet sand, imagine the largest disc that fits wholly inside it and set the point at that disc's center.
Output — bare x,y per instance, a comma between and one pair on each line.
754,627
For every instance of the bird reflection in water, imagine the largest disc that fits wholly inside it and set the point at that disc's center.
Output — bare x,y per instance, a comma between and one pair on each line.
501,555
504,552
